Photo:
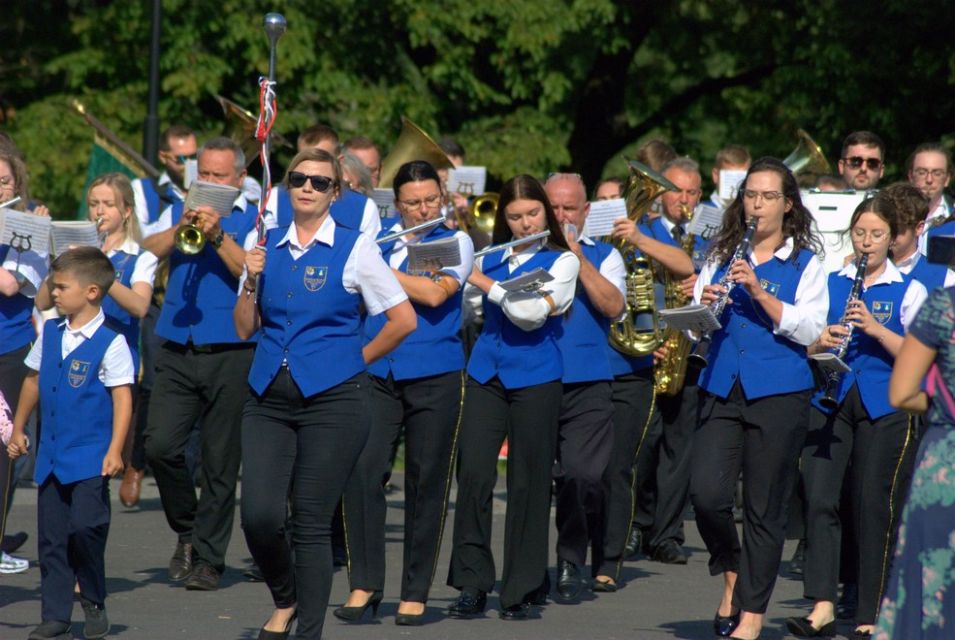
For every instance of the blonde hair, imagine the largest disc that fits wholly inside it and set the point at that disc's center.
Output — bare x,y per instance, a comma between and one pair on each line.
125,200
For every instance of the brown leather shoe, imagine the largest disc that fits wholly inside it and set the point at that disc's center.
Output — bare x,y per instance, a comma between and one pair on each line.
204,577
129,489
180,565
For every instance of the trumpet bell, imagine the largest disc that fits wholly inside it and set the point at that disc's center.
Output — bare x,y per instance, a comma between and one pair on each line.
190,240
412,144
482,212
807,161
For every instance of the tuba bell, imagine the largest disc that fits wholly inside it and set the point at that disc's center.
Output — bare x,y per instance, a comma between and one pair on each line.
807,161
412,144
640,333
240,128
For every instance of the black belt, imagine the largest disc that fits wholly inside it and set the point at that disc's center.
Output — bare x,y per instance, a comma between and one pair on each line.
191,347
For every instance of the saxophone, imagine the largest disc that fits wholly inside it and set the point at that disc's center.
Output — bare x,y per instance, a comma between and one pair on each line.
670,372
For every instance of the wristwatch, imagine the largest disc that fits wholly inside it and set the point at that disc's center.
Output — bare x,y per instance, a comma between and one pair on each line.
217,241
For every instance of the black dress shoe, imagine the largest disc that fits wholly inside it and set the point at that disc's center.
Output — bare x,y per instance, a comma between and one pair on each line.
470,603
634,544
180,565
802,628
848,603
13,542
723,625
50,629
517,612
538,597
204,577
264,634
354,614
669,552
799,556
569,583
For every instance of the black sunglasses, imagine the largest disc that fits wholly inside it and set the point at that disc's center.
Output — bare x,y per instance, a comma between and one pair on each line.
321,184
182,159
857,161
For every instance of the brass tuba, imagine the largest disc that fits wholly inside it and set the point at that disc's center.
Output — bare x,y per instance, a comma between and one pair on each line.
640,333
807,160
412,144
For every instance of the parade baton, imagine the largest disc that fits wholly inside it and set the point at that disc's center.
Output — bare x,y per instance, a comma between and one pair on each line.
275,26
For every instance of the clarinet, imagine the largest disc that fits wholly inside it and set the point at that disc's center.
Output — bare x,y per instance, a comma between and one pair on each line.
833,378
698,357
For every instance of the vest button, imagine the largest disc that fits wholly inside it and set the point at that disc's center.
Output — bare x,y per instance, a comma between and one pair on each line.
285,350
743,325
289,323
294,267
289,294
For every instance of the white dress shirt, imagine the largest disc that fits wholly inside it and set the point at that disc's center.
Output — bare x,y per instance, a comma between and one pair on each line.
915,293
142,208
116,367
801,322
461,272
144,268
530,311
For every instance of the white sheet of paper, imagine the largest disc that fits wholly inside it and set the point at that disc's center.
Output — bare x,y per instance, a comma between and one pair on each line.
830,362
467,181
692,317
730,179
385,199
75,233
527,282
220,197
24,231
706,221
831,212
431,257
190,173
602,214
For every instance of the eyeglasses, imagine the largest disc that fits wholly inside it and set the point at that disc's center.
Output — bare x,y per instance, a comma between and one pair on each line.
321,184
923,173
430,202
877,235
767,196
856,162
7,181
182,159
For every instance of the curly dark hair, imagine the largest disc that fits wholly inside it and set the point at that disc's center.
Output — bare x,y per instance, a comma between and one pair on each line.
797,223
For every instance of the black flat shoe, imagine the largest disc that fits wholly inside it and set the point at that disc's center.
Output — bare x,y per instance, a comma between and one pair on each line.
354,614
802,628
517,612
469,603
723,625
278,635
604,586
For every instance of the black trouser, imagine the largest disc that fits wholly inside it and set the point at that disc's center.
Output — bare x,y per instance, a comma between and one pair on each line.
762,438
211,387
634,416
301,450
527,417
584,446
876,458
679,414
12,374
428,410
150,348
73,522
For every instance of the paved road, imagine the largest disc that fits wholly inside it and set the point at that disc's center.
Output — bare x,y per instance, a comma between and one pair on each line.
659,601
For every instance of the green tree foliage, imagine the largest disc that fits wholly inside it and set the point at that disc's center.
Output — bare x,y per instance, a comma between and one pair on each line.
525,85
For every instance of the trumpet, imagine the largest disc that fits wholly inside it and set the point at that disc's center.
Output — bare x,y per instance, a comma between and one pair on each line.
494,248
190,239
698,357
420,227
481,212
834,377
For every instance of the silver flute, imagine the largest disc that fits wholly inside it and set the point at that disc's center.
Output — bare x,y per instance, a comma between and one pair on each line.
414,229
10,202
494,248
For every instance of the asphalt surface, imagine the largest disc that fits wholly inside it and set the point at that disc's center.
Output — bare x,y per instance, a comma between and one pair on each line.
657,601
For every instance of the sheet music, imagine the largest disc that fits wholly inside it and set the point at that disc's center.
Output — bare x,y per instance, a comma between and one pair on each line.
24,231
385,199
67,233
830,362
706,221
697,318
431,257
831,212
730,180
190,173
220,197
527,282
468,181
599,221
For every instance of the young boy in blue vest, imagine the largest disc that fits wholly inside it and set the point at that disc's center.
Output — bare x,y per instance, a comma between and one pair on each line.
81,374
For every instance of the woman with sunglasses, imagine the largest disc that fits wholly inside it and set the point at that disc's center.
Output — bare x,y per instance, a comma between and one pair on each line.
308,418
513,391
417,391
863,441
754,406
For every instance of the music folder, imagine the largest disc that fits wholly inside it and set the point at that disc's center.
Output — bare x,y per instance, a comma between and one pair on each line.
527,282
433,256
697,318
219,197
830,362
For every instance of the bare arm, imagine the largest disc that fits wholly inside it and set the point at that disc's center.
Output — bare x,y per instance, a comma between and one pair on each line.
424,290
673,259
29,398
602,293
161,244
122,415
245,314
8,283
401,320
134,300
911,365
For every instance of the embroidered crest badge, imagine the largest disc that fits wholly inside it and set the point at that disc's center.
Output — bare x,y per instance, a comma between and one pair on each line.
314,277
772,288
78,372
882,311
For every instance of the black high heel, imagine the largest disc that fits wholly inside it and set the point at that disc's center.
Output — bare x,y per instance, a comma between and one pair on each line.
278,635
409,619
802,628
723,625
354,614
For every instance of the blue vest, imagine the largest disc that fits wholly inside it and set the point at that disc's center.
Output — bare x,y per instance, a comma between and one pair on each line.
929,274
746,347
77,408
347,210
582,337
518,358
16,326
945,229
308,318
124,264
201,291
655,229
435,346
870,363
157,197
